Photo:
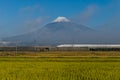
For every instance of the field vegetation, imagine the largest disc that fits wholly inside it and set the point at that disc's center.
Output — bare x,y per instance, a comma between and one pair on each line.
60,66
62,54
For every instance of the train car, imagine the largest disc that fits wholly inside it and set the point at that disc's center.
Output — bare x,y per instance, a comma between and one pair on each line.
89,47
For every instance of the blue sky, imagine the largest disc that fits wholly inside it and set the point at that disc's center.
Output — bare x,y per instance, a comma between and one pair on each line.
22,16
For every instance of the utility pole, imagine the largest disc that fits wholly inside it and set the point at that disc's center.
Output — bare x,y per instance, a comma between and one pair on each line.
73,43
16,48
35,46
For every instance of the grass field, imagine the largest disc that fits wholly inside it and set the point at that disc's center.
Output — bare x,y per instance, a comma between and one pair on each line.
64,54
61,66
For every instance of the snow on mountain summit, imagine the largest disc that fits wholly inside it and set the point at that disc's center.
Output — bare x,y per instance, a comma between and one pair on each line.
61,19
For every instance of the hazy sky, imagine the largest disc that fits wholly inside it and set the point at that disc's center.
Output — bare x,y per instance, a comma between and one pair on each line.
22,16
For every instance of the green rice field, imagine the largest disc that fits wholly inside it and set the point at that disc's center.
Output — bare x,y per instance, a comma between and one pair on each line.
59,68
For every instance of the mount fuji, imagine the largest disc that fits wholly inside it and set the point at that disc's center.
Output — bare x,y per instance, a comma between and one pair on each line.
59,31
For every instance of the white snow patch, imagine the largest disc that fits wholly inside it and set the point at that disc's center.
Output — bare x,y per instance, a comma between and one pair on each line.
61,19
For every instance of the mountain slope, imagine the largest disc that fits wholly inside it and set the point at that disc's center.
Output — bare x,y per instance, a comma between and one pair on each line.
60,31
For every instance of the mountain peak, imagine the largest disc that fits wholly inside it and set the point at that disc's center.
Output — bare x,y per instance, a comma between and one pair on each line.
61,19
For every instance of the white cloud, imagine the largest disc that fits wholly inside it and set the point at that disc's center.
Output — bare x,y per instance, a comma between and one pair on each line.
31,8
33,24
87,14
